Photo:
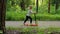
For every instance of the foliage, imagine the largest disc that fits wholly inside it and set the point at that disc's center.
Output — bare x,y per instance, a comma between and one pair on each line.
40,16
15,13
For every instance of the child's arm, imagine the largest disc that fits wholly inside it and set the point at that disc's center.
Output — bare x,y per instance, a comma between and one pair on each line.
33,12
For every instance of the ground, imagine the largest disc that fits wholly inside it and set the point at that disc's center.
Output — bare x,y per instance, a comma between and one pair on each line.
40,23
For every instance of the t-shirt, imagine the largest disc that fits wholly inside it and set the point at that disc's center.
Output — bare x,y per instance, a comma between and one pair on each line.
29,12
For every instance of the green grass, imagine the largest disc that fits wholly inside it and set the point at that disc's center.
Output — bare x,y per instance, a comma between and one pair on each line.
38,29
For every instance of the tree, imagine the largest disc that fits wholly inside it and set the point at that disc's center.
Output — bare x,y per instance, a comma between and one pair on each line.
37,6
22,4
2,15
28,2
42,1
49,6
12,3
52,2
56,5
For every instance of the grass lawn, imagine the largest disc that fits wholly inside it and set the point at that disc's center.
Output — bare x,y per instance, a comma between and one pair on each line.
37,30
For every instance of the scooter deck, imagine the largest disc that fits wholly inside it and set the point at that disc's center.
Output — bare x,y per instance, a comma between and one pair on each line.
31,25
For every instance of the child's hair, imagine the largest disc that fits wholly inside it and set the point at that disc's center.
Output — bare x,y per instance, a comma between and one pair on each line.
30,7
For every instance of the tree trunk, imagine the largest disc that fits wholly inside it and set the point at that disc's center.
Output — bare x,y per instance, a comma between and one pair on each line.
12,3
49,7
22,4
36,11
56,5
42,1
37,6
42,4
2,15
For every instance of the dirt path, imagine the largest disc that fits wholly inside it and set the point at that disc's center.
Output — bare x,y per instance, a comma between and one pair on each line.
40,23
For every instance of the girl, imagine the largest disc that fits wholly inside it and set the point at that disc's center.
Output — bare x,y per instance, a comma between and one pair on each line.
28,15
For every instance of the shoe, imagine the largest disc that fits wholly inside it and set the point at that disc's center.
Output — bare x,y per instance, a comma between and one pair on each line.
24,23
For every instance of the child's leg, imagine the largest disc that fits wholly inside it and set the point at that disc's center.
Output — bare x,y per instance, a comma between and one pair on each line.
26,19
30,20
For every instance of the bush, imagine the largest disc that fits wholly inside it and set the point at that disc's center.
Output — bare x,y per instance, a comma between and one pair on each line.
21,16
15,13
